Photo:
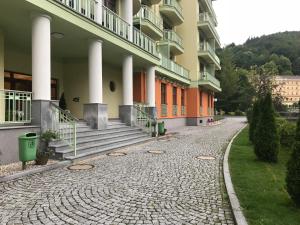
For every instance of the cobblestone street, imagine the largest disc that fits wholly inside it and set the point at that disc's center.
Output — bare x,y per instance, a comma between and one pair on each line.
139,188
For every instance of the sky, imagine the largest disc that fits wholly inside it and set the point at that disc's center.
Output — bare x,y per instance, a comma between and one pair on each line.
240,19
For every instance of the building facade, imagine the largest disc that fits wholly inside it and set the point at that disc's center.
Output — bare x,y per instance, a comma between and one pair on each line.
289,88
107,58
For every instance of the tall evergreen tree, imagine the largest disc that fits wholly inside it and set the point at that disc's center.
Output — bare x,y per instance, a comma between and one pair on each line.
266,144
254,120
293,170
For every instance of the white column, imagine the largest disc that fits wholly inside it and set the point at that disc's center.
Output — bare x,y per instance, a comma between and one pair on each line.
127,81
127,14
151,86
95,72
98,11
41,57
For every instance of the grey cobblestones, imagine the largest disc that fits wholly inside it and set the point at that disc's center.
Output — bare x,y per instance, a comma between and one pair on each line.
139,188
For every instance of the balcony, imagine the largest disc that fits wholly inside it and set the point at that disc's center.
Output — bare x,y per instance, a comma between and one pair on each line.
110,21
183,110
172,10
208,7
149,22
175,68
174,110
174,41
209,81
207,52
207,24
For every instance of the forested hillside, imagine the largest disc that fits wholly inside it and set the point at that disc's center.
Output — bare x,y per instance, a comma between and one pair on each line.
277,53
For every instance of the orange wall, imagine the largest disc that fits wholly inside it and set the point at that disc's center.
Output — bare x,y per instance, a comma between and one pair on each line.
169,91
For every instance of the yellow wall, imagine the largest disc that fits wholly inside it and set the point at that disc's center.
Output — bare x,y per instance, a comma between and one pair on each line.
76,85
1,73
188,30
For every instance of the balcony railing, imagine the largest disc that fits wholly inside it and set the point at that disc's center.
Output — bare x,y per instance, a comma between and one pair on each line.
114,23
164,110
143,41
205,17
174,67
171,35
174,110
183,110
147,14
205,76
111,21
205,46
175,4
15,107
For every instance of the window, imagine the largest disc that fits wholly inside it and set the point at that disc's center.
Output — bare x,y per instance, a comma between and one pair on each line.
23,82
174,95
182,97
163,94
201,102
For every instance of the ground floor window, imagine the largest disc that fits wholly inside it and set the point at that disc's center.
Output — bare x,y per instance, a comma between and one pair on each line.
23,82
182,97
163,94
174,95
201,100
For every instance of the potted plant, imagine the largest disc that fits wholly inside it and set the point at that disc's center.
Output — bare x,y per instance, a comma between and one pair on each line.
44,152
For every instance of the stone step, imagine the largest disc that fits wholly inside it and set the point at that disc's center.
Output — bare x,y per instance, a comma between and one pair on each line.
100,146
110,130
90,140
95,151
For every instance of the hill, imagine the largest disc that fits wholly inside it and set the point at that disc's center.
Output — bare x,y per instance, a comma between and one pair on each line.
281,48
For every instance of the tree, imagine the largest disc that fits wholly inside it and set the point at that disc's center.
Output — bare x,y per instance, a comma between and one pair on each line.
296,66
293,170
62,102
254,119
266,138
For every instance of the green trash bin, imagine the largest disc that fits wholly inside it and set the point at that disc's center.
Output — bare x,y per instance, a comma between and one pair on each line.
27,147
161,128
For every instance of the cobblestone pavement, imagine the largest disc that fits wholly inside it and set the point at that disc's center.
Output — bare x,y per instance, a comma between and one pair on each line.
139,188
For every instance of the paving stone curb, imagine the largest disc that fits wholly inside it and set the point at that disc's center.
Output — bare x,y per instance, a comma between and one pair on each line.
33,171
234,201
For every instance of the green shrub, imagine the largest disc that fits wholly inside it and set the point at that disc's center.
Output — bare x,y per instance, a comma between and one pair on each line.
239,113
254,119
231,113
293,170
266,144
286,132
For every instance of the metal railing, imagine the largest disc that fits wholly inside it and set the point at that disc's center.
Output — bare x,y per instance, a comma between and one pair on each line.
174,67
15,107
205,76
143,119
174,110
205,46
183,110
147,14
205,17
143,41
174,4
111,21
164,110
65,124
84,7
171,35
114,23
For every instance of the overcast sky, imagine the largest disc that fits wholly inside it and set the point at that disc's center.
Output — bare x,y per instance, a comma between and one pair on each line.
240,19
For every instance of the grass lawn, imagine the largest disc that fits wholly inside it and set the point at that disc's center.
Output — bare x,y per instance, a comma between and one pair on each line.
261,186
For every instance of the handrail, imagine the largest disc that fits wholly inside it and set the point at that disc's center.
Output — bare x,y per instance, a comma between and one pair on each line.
65,124
146,13
208,77
171,35
143,119
175,4
174,67
205,46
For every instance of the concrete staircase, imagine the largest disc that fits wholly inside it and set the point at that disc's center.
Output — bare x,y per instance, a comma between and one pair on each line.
92,142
